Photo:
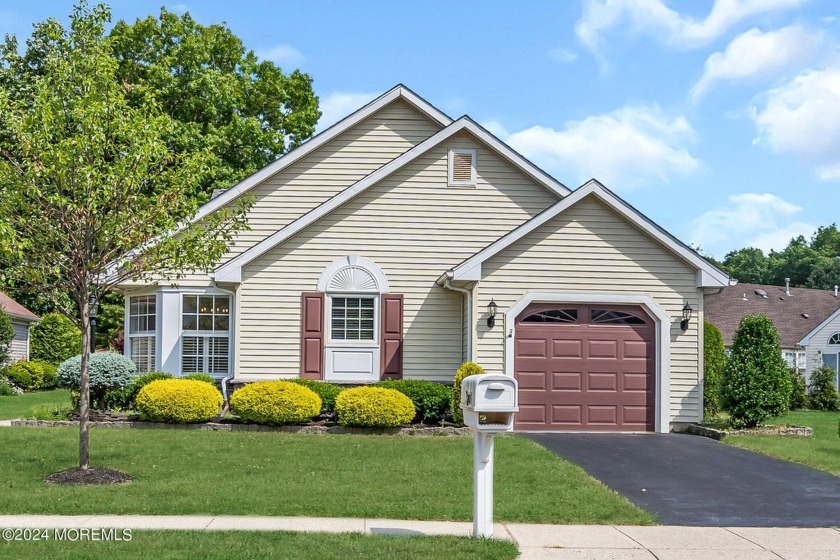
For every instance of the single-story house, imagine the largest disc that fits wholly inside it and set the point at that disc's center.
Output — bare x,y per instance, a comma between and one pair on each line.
22,319
806,320
400,243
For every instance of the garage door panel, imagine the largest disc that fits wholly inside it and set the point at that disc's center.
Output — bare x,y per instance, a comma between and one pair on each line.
585,375
528,348
532,380
602,349
570,415
568,349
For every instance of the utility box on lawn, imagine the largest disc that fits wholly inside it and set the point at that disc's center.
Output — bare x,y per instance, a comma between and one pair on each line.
489,401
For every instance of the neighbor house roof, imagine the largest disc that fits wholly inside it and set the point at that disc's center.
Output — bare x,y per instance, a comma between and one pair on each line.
794,315
708,274
16,310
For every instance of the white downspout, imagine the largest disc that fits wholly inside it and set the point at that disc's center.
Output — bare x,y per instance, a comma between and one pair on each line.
447,283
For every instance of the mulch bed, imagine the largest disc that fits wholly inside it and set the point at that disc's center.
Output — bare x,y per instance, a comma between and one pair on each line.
91,475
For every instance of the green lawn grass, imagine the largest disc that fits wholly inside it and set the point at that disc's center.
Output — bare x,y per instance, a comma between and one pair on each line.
19,406
229,545
236,473
821,451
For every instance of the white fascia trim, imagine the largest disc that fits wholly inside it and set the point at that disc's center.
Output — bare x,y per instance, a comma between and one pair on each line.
231,271
663,338
708,277
399,91
806,340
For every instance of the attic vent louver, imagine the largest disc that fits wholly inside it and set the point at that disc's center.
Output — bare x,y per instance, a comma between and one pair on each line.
462,167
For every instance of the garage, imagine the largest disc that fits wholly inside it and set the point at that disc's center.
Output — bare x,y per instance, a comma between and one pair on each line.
585,367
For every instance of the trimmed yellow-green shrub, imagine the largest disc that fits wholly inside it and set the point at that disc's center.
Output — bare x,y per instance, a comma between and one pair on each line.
178,401
466,369
373,407
275,402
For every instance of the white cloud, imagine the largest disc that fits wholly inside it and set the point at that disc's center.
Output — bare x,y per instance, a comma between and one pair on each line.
757,220
655,19
283,55
803,118
754,55
563,55
338,105
623,149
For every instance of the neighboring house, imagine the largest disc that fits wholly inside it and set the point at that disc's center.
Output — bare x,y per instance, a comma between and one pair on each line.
381,248
22,319
805,319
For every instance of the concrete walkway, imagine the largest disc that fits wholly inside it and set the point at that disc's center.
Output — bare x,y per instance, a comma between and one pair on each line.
579,542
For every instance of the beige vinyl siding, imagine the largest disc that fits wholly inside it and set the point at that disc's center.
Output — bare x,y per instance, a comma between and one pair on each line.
414,227
19,347
818,345
324,173
590,249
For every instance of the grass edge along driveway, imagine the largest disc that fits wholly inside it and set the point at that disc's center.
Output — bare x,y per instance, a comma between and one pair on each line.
820,451
262,473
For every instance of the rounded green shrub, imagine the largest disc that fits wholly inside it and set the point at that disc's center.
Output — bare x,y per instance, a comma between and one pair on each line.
123,398
822,393
178,401
714,356
29,376
200,377
431,399
466,369
54,339
755,384
7,334
275,402
109,371
49,378
373,407
327,391
798,394
6,390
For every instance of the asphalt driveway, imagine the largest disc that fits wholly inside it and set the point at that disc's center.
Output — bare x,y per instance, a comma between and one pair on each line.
692,480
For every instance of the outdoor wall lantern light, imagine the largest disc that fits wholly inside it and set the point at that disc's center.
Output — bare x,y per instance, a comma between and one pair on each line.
93,305
491,313
687,310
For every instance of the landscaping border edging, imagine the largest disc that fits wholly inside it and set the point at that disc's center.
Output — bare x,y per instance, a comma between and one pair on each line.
714,433
218,427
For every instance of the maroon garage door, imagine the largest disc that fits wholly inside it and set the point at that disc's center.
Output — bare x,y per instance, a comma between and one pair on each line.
585,367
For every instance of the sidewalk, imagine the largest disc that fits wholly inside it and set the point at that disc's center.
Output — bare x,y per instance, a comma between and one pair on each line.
580,542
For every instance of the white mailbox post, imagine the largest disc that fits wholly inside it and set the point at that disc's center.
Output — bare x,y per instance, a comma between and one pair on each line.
488,401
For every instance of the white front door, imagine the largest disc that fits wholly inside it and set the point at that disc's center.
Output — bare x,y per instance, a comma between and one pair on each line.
352,349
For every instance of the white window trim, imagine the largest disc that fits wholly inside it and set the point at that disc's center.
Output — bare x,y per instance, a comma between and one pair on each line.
662,321
127,334
451,181
179,349
352,343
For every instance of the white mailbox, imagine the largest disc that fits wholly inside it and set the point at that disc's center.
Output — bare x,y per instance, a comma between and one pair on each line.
489,401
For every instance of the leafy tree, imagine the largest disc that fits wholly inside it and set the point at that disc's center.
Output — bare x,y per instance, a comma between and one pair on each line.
825,273
91,195
747,265
111,319
826,240
755,384
798,394
7,333
54,339
244,111
714,356
822,393
795,262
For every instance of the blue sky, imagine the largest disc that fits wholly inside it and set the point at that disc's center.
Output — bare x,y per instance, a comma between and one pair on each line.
720,120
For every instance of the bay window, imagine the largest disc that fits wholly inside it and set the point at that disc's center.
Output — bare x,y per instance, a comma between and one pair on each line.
142,322
205,338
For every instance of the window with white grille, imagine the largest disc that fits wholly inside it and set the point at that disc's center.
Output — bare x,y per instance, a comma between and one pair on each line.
205,339
462,168
142,322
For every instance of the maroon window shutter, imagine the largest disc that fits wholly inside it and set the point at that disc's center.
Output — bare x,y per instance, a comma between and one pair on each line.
392,336
312,335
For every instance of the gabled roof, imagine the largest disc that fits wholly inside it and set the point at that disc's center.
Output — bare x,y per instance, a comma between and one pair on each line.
708,274
795,315
398,92
16,310
231,271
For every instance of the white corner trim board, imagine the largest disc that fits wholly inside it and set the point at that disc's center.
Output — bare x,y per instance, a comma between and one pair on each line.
231,271
663,338
709,277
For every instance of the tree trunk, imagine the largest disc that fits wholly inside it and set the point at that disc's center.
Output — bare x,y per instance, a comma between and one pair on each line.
84,388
